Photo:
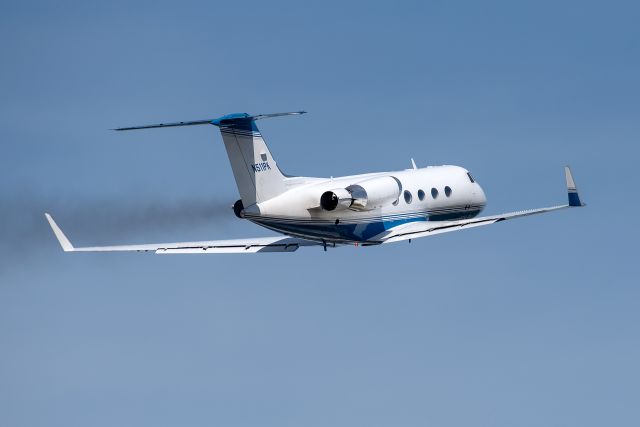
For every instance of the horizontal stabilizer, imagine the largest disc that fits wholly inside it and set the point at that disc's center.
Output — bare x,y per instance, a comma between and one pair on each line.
220,121
167,125
268,116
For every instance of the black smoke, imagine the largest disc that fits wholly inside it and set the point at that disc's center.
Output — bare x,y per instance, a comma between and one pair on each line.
25,233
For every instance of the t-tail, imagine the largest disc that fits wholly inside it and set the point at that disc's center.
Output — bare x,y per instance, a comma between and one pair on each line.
254,168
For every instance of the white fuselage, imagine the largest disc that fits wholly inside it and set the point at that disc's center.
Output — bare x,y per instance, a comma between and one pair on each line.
436,193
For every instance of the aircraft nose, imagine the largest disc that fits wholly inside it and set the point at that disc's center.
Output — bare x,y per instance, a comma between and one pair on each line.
480,197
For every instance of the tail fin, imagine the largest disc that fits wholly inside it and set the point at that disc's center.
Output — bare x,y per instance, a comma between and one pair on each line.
254,168
256,172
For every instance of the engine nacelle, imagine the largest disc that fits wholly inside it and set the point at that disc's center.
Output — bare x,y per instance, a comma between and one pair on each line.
335,199
365,195
238,208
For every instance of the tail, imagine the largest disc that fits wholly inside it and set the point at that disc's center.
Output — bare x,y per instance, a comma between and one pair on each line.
255,170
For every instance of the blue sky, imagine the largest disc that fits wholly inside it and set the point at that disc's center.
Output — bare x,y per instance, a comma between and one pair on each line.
531,322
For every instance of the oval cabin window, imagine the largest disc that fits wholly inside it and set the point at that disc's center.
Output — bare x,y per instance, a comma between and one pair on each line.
407,196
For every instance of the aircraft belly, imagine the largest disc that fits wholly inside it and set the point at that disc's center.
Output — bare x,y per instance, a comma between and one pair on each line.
355,229
356,232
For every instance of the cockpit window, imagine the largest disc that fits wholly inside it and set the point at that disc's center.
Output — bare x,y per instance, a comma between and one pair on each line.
470,177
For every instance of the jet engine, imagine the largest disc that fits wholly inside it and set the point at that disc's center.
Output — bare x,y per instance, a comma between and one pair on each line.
364,195
339,198
238,208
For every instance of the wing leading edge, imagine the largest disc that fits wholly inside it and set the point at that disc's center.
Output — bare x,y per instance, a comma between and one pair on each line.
245,246
415,230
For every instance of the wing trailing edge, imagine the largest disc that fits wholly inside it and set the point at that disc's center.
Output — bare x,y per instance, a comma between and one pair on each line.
245,246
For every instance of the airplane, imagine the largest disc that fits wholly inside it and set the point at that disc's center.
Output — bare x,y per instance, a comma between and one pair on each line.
360,210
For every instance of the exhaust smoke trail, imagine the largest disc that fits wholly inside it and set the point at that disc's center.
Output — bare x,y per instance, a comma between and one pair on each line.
23,228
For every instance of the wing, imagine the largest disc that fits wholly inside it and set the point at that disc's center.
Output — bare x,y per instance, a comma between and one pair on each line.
416,230
244,246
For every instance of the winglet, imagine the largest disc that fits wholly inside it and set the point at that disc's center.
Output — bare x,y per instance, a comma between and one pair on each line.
574,199
62,239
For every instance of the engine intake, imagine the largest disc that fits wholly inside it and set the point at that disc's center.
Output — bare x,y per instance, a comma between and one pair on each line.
238,208
338,198
365,195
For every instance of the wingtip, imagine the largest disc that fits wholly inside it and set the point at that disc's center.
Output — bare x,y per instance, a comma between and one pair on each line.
572,189
62,239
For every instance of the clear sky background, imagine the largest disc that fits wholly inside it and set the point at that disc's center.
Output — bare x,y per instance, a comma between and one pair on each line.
527,323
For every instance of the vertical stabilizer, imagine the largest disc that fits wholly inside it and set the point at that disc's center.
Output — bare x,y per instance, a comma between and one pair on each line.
255,170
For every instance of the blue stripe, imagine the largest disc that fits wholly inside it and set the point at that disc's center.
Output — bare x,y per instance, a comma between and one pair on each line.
239,121
574,199
353,232
455,212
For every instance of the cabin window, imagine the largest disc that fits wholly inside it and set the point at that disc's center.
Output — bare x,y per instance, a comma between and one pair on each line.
434,193
421,195
407,196
471,177
447,191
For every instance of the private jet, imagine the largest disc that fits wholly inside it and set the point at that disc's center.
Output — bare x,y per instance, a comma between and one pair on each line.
360,210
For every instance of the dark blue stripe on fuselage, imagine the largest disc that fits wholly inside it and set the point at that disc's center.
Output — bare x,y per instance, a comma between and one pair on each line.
352,232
